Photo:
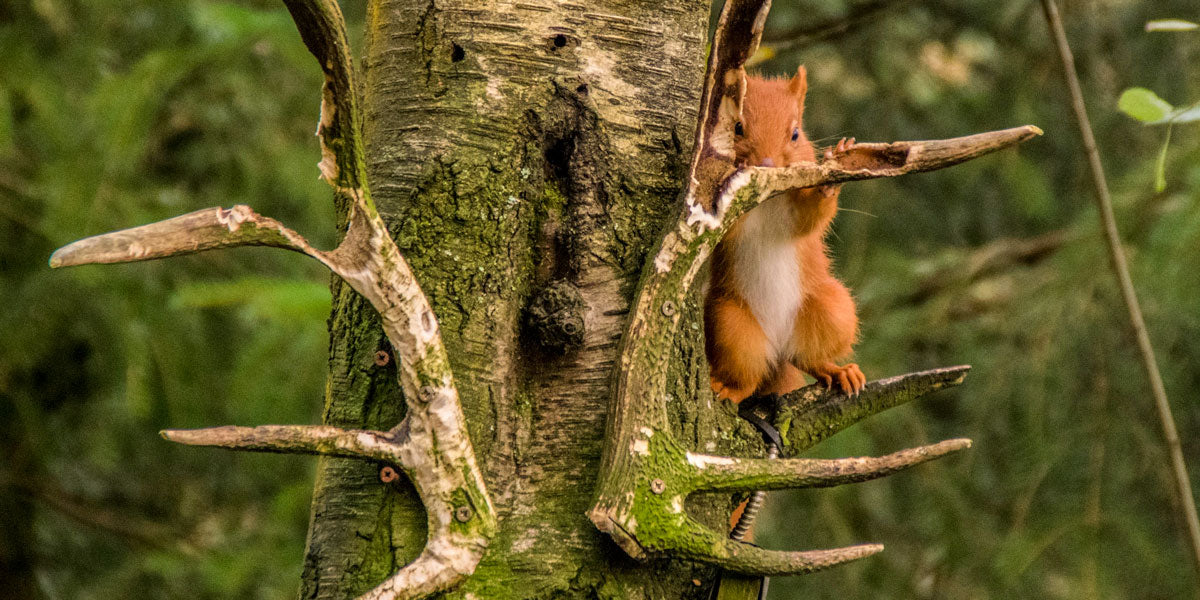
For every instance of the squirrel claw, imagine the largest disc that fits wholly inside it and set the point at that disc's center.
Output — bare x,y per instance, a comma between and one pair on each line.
849,377
843,146
734,395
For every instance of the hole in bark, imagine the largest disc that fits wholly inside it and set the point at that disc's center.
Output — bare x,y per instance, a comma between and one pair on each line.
457,53
558,156
582,89
560,40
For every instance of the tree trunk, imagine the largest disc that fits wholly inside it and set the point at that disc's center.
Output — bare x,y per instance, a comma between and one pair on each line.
525,158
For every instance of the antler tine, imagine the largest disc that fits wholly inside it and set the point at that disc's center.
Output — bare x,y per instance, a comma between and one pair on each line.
813,413
723,474
692,540
205,229
748,559
435,569
869,160
295,439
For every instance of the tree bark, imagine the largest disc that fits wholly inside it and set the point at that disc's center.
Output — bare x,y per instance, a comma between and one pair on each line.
525,158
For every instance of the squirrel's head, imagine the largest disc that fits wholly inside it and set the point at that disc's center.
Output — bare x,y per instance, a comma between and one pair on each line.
771,133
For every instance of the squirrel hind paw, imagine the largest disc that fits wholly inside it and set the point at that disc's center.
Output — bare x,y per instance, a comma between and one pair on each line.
733,394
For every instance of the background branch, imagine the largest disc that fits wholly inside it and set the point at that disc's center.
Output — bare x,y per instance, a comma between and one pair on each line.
802,36
968,266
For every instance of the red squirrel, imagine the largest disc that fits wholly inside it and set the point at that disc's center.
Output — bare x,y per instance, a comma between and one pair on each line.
774,309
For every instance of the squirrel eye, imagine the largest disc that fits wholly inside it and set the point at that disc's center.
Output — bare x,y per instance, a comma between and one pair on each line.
795,134
737,129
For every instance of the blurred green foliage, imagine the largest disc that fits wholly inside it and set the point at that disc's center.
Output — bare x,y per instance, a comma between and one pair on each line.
1000,264
120,112
1147,107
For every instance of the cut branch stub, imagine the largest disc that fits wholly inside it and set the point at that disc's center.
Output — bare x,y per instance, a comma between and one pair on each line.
431,445
323,30
716,193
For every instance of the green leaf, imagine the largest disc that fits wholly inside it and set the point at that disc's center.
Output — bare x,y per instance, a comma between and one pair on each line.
1144,105
1160,169
1170,25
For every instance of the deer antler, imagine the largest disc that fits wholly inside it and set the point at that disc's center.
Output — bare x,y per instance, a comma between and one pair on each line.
645,474
431,444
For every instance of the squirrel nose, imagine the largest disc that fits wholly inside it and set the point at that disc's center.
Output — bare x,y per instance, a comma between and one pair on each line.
767,162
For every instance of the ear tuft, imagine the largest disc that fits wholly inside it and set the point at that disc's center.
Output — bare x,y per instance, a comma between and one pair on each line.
798,86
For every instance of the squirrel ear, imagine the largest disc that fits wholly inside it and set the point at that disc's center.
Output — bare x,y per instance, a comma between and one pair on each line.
798,86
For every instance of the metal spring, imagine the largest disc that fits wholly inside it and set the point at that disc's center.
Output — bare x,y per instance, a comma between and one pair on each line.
754,504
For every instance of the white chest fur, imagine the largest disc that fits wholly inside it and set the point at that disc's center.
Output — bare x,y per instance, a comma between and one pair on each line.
767,271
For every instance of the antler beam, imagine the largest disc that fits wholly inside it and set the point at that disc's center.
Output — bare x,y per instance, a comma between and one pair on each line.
431,444
645,474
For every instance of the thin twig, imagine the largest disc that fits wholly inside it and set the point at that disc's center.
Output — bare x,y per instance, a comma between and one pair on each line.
1121,268
122,524
997,257
807,35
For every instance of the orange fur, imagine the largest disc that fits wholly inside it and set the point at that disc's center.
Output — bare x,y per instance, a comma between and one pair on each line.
737,516
741,356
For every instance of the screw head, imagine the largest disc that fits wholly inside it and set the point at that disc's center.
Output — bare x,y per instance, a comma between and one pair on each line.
463,514
388,474
669,308
658,486
382,358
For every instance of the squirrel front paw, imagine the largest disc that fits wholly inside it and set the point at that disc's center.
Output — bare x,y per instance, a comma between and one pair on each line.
843,146
734,394
833,153
849,376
